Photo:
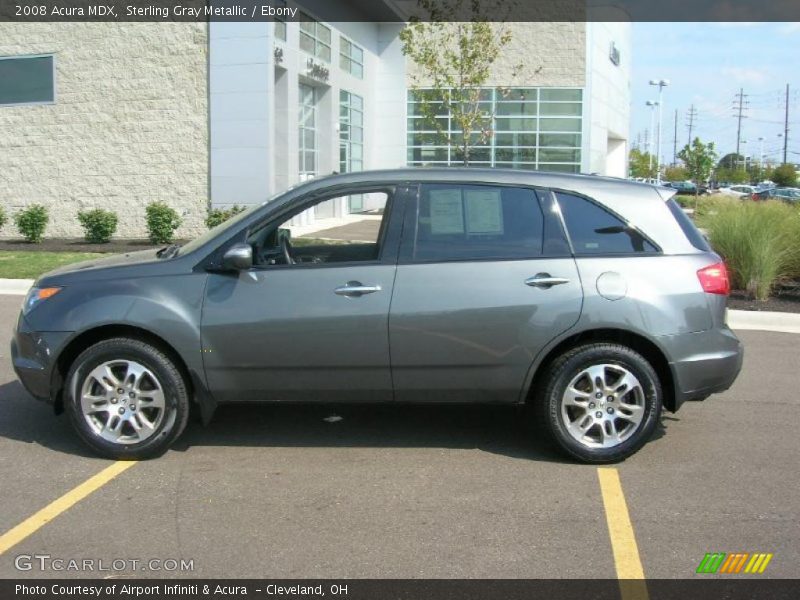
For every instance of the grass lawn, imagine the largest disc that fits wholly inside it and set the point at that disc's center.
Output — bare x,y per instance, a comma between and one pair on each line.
31,264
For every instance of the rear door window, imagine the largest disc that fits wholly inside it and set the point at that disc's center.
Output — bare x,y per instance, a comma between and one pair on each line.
594,230
470,222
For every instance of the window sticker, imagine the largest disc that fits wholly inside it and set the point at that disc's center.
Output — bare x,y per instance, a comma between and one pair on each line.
484,212
447,212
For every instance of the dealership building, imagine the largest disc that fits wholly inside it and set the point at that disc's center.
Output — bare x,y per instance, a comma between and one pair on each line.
116,115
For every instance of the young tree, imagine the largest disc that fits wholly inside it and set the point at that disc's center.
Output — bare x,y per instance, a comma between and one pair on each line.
699,160
454,62
785,175
641,164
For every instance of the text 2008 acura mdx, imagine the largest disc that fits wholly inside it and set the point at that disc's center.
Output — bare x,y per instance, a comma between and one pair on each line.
594,300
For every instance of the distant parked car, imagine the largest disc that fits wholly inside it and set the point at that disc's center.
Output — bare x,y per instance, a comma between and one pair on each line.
740,191
785,194
687,187
760,195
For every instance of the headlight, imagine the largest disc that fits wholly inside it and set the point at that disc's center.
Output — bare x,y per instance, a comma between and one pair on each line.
37,295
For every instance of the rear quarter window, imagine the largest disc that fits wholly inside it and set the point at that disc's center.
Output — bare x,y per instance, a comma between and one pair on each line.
691,232
594,230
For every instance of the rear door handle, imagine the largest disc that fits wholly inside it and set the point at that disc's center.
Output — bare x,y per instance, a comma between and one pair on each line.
545,281
355,289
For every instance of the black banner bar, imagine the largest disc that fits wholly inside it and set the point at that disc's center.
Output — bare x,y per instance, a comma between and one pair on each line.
395,589
398,10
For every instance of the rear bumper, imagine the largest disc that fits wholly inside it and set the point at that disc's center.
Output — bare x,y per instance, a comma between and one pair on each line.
33,358
703,363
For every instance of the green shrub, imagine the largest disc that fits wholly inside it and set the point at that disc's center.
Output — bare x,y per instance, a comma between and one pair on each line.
32,222
758,241
3,217
162,221
219,215
98,224
784,175
685,201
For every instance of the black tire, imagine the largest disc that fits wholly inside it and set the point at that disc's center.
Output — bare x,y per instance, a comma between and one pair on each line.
175,391
548,400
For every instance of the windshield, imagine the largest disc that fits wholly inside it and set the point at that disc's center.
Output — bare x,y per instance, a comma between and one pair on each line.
215,231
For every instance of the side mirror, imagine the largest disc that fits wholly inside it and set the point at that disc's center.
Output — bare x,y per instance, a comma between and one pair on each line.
238,257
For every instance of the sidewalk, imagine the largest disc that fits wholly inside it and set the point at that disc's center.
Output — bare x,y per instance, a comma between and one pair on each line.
737,319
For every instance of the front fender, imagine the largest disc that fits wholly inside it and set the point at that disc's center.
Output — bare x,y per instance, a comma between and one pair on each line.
169,308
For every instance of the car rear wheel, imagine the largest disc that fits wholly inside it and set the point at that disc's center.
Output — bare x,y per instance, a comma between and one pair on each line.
600,403
126,399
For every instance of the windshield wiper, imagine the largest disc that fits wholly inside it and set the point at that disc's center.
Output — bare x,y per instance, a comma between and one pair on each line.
168,251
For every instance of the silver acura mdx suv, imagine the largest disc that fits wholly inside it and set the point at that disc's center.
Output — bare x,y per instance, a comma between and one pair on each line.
594,300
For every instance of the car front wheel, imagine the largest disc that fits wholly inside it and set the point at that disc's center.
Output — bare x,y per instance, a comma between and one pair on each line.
126,399
600,403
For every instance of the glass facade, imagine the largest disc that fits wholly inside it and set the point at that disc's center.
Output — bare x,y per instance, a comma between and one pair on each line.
351,132
534,128
307,132
351,58
351,140
315,38
280,30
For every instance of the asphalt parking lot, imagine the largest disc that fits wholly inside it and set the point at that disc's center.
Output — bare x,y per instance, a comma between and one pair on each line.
413,492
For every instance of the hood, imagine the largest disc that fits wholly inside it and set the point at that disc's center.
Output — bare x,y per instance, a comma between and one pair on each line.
117,260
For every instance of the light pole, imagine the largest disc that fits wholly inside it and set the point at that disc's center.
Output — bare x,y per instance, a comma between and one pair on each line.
761,157
652,106
661,83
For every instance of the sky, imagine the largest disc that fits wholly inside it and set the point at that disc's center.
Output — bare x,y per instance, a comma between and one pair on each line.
706,65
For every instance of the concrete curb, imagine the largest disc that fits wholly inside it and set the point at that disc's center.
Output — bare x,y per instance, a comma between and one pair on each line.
15,287
737,319
764,321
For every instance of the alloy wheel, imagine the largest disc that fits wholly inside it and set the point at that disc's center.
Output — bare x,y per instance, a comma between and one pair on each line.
122,401
603,406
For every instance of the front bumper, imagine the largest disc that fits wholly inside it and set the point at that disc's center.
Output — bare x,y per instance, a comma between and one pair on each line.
703,363
33,356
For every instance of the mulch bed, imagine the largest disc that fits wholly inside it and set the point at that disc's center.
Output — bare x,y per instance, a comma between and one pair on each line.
783,300
115,246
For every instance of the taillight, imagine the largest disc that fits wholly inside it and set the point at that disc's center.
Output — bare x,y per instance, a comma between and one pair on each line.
714,279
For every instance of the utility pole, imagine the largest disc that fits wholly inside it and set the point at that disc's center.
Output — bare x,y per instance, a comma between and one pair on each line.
786,126
652,104
739,105
692,116
675,141
661,84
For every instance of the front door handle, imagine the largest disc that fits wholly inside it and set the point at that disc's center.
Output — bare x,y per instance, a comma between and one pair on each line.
355,289
545,281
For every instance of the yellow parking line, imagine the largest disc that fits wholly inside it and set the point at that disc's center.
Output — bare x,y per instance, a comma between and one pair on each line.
14,536
623,541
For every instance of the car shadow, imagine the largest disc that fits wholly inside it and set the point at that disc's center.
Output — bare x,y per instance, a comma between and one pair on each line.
32,422
498,429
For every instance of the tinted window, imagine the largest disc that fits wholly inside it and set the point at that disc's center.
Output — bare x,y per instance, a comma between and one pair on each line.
26,79
594,230
463,222
694,236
